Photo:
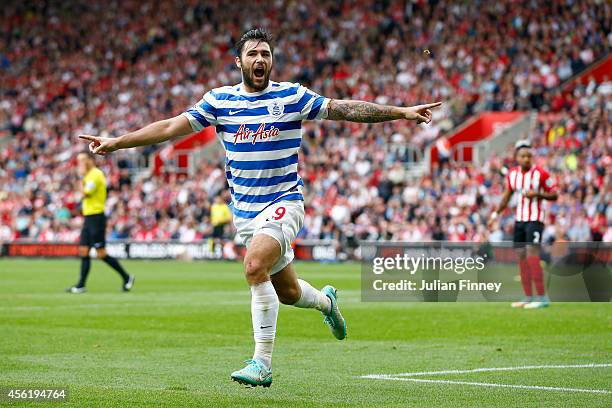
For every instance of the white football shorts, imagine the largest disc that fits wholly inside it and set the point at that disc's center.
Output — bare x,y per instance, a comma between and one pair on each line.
282,221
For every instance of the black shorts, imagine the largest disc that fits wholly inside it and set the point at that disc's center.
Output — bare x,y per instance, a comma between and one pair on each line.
527,233
218,231
94,231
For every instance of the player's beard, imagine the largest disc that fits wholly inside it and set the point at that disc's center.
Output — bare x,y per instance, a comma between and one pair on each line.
248,77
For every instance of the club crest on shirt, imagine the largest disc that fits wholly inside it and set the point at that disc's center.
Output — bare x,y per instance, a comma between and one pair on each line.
276,109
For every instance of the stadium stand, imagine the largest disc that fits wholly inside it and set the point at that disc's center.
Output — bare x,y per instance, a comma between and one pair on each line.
116,68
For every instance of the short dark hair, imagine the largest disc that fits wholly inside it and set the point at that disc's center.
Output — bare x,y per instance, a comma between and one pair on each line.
257,34
89,155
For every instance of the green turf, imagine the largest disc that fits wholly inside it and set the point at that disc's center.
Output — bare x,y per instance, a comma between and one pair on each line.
175,339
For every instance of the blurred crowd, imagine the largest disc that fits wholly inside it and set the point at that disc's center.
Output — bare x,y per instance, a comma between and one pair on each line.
107,68
357,192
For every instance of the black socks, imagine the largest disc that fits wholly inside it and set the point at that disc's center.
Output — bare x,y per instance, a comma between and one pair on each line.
85,264
113,263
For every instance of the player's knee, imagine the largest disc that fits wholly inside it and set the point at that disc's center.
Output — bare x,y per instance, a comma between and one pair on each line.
101,252
83,252
289,295
255,270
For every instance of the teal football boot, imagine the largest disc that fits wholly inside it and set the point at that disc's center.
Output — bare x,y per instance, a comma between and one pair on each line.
254,374
334,318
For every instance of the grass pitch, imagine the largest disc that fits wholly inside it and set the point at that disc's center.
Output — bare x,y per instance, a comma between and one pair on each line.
175,339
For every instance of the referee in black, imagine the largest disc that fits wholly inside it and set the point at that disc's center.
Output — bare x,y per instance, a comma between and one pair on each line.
94,227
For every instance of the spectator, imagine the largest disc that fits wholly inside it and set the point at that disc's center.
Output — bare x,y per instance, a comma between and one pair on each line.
99,70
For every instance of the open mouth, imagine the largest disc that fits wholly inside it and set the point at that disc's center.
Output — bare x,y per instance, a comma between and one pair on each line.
259,72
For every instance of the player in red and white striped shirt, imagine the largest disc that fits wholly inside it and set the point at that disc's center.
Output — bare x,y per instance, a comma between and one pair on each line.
533,185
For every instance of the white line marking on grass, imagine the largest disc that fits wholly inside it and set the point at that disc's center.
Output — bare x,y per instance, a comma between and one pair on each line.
529,387
405,377
485,369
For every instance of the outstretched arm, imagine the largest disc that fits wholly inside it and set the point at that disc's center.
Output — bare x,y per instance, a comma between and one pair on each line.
368,112
156,132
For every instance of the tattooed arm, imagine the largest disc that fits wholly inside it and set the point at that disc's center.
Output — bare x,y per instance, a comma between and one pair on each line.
367,112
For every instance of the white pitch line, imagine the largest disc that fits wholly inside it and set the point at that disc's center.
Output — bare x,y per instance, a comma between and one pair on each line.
402,377
530,387
480,370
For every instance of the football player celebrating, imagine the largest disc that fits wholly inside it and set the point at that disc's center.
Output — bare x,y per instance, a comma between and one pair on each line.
258,122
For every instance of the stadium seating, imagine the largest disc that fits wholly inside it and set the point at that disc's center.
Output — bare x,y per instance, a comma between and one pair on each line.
108,72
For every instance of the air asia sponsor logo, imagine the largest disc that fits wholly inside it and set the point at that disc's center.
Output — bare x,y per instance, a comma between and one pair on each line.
261,134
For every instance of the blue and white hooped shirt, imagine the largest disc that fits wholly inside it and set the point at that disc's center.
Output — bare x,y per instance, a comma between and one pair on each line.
261,133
